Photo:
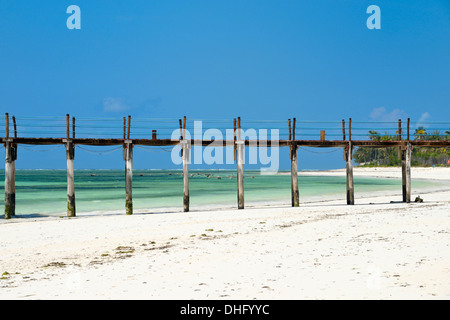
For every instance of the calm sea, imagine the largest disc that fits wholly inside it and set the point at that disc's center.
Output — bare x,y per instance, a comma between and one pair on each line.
43,192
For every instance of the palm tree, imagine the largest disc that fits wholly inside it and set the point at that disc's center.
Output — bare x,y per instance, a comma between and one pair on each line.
420,133
374,135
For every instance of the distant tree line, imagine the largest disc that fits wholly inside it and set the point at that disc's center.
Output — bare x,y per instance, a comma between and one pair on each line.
420,156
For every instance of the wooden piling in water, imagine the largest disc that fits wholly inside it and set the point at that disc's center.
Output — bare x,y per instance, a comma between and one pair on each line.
293,148
349,167
403,148
406,167
240,144
407,130
343,129
10,172
234,139
185,148
349,170
128,177
70,156
240,173
128,152
10,195
295,198
406,173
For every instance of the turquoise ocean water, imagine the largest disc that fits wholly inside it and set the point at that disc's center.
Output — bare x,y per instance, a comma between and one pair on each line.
44,192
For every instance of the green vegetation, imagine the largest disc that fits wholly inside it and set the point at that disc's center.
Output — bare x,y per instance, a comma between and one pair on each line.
420,156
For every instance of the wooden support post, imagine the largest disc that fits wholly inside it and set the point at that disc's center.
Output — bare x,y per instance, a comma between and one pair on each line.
240,144
322,135
343,139
129,177
408,165
350,129
289,128
406,168
294,176
240,173
185,147
10,195
407,130
70,155
294,166
73,127
10,192
15,126
403,148
399,137
124,129
129,127
184,127
406,173
234,139
128,171
13,166
67,126
293,128
349,167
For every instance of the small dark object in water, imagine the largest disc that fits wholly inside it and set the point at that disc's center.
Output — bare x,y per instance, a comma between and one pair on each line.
418,199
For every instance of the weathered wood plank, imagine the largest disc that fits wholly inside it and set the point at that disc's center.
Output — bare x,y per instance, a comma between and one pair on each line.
240,173
224,143
70,156
185,147
349,170
295,201
408,173
10,192
129,178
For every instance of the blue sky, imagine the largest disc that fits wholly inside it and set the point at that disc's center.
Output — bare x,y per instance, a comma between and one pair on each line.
219,59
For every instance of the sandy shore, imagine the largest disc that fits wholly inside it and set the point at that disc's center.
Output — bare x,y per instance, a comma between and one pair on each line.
322,250
430,173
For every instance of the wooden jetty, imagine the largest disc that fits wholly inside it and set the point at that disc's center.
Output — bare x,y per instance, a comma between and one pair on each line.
345,141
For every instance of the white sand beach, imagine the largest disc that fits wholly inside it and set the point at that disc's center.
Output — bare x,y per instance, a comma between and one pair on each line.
376,249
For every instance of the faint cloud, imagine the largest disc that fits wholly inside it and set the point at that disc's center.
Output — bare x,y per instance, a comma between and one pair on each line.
114,105
424,117
381,114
